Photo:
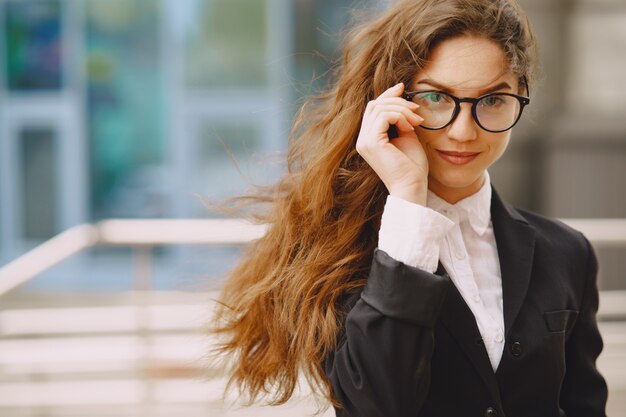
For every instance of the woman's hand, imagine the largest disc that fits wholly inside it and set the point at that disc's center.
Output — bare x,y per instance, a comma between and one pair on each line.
400,162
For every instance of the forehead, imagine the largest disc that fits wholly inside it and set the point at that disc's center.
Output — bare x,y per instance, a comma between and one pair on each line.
467,63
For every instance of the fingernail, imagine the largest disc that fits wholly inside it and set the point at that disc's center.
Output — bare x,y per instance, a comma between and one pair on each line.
398,85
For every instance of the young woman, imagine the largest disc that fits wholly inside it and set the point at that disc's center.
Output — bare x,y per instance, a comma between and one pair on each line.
393,276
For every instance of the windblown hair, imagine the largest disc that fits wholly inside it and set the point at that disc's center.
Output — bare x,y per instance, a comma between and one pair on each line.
279,313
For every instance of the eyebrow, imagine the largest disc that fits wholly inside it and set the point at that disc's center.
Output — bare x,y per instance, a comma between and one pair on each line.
502,85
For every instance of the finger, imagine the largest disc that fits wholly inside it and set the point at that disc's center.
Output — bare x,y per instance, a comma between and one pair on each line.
394,91
412,117
387,101
383,101
403,125
376,132
385,119
395,100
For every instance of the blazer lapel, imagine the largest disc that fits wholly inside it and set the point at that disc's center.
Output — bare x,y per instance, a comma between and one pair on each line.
515,240
459,320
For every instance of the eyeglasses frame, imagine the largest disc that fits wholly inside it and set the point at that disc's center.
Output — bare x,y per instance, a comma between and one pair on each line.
524,101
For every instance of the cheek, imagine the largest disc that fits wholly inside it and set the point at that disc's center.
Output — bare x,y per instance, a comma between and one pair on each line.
499,145
426,137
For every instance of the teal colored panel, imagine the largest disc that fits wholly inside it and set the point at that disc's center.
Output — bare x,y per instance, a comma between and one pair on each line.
33,45
126,107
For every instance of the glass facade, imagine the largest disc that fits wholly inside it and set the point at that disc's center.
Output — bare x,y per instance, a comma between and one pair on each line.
125,107
172,102
145,108
225,46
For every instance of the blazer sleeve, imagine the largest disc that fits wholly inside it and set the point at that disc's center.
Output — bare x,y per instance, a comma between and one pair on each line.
381,366
584,391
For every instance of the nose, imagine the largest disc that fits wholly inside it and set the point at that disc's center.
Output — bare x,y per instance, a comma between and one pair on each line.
463,128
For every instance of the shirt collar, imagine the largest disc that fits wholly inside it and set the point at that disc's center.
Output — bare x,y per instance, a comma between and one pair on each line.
476,207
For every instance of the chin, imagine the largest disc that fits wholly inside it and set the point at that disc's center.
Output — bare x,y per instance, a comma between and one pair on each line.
458,179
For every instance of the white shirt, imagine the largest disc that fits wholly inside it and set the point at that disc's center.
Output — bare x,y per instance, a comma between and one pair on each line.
461,237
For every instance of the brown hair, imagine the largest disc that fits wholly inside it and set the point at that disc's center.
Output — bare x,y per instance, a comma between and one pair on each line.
279,312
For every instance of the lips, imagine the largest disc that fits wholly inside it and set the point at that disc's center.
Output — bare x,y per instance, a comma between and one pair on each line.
457,158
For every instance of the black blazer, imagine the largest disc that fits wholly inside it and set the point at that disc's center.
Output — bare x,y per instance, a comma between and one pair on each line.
410,345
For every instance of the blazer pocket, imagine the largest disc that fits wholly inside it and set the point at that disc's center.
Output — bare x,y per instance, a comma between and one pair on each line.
560,320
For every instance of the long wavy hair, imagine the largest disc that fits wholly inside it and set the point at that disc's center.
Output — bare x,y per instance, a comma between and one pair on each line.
279,313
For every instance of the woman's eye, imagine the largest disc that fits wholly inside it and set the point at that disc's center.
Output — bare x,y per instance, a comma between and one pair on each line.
433,97
434,100
493,101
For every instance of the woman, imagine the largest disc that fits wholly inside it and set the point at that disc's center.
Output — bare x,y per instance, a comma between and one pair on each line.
393,276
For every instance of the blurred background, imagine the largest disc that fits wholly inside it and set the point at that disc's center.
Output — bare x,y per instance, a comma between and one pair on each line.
129,109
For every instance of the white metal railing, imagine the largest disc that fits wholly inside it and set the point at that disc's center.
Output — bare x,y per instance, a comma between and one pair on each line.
144,234
139,234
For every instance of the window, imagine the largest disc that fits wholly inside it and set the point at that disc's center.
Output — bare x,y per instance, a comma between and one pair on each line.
38,182
33,45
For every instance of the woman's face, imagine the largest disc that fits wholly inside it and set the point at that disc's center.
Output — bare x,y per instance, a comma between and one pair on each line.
465,66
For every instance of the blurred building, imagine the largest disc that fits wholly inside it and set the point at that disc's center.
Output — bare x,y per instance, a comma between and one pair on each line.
568,159
130,108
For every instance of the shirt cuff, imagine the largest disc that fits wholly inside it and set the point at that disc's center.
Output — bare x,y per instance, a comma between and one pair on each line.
412,234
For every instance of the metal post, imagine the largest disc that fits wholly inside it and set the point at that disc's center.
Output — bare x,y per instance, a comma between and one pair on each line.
142,260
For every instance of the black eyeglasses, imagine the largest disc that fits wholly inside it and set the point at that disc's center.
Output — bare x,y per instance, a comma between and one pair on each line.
493,112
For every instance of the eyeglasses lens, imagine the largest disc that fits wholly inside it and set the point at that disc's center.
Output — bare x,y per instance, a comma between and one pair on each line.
497,111
436,108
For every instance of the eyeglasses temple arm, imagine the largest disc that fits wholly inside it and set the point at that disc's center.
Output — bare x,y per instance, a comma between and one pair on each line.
526,85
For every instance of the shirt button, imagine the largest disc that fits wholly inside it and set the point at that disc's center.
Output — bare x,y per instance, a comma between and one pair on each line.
491,412
476,298
499,337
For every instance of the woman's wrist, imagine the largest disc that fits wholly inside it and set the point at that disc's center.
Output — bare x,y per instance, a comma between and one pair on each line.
415,195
